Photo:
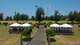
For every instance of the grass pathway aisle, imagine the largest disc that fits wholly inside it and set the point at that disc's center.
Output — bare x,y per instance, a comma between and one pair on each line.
39,38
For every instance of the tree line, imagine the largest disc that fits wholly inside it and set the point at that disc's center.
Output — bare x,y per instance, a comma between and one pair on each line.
40,15
74,16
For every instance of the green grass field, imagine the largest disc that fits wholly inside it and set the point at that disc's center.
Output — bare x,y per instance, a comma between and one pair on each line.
14,39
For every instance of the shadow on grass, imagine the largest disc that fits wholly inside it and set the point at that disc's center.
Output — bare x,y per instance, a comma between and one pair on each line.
71,34
64,33
52,40
27,39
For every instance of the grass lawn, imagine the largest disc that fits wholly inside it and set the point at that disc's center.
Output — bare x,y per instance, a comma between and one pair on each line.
33,21
14,39
11,39
30,21
68,39
8,39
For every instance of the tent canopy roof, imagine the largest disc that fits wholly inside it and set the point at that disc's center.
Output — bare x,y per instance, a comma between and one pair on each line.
54,25
15,25
26,25
66,25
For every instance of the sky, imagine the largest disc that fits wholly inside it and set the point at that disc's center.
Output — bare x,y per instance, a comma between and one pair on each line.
9,7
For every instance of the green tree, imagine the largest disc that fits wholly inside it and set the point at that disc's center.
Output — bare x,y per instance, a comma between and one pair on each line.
77,17
27,32
56,16
72,16
63,17
24,17
47,18
49,23
1,16
51,17
32,18
50,33
40,14
5,23
8,18
17,16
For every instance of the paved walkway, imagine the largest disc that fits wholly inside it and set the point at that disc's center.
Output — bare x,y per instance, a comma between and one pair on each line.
39,38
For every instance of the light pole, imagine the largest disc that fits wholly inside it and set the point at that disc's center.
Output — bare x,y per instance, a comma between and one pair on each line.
48,6
47,10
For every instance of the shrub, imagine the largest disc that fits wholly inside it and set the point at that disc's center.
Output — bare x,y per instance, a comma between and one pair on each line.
68,22
44,23
33,25
22,22
37,25
5,23
30,23
49,33
45,26
0,23
27,32
49,23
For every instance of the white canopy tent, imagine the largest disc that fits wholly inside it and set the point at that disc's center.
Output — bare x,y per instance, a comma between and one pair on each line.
61,28
26,25
66,26
54,25
15,25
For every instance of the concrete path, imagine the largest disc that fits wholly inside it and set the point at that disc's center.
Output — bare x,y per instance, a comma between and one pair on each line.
39,38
